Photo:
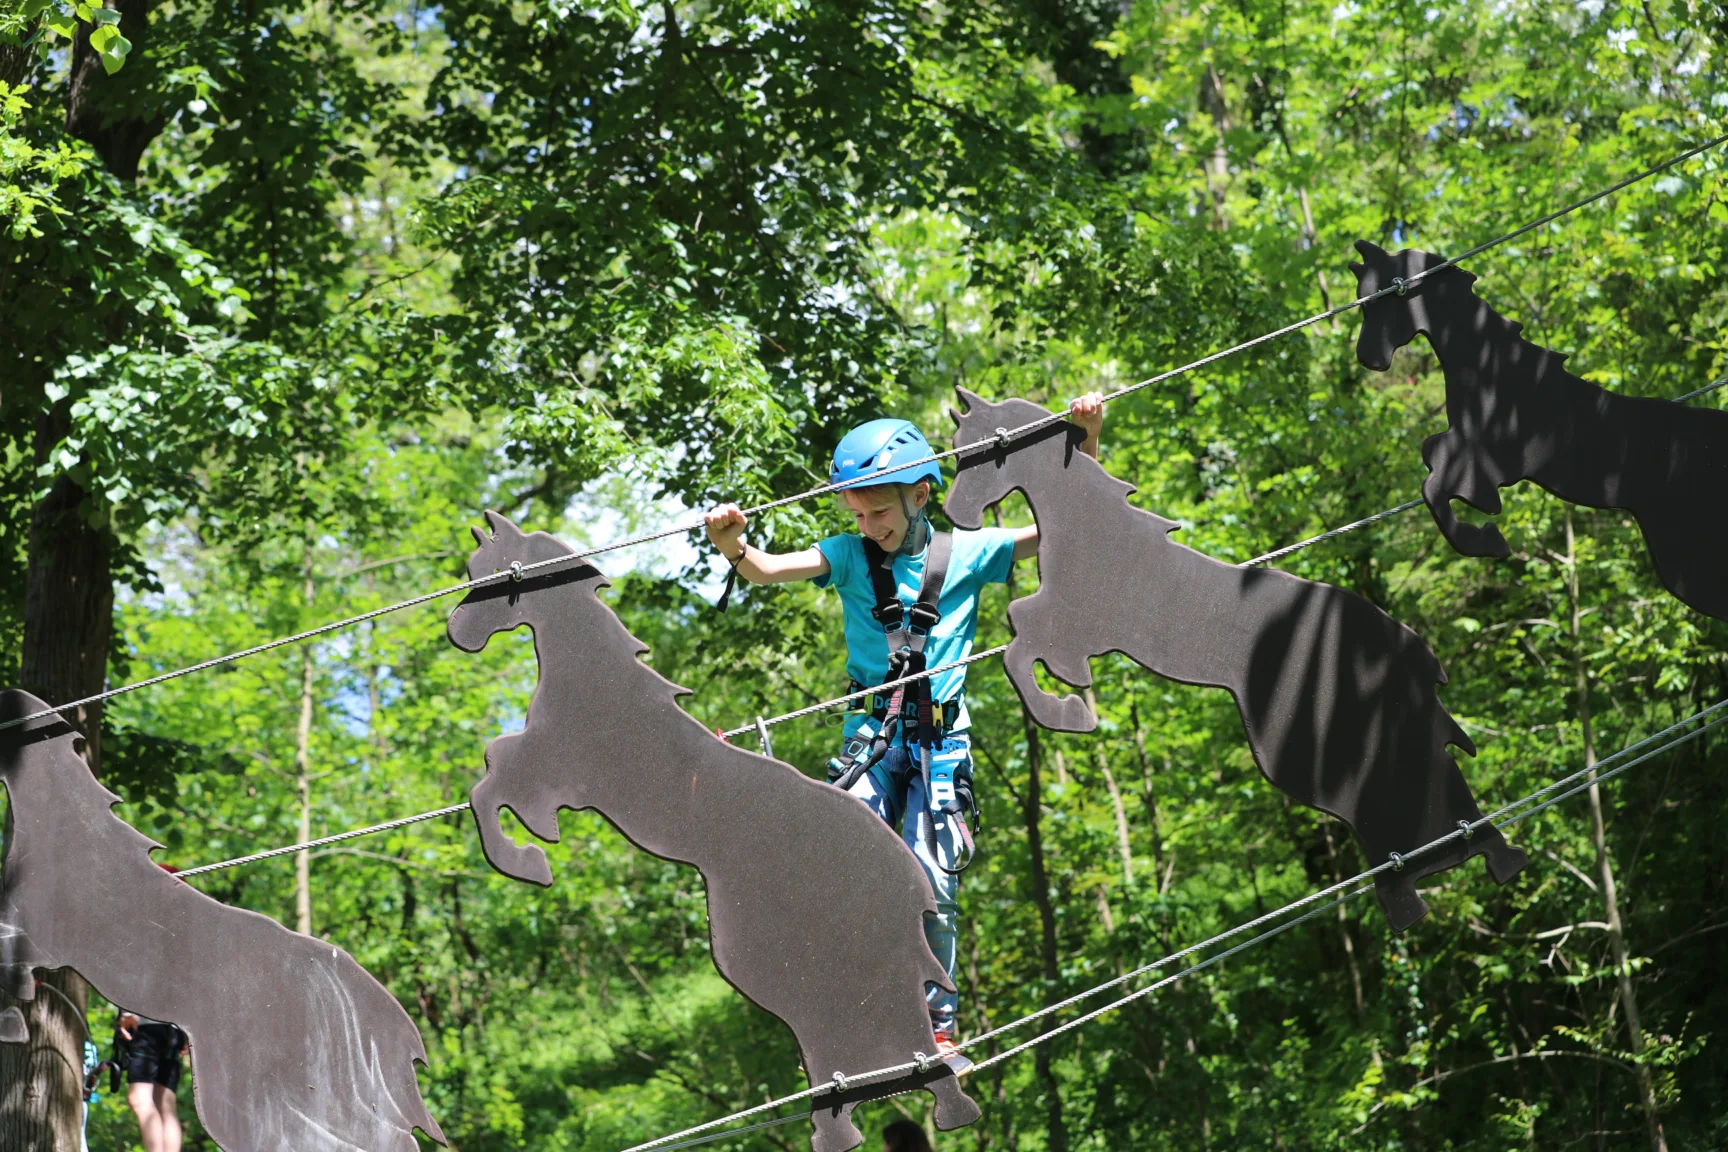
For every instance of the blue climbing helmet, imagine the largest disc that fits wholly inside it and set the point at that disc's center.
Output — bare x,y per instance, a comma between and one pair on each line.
868,453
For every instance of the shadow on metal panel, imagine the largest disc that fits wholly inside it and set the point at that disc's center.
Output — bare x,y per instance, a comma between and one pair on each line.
1514,413
1338,699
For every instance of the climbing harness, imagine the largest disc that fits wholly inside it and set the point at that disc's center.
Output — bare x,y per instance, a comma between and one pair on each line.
909,715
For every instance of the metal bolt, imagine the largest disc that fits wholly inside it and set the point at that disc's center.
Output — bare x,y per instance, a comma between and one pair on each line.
1466,827
1002,437
1401,284
1397,862
840,1084
516,571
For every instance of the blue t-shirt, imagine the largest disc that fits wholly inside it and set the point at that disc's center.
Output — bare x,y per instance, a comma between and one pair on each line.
977,559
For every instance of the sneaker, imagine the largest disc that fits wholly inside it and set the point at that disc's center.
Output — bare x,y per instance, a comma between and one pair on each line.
949,1052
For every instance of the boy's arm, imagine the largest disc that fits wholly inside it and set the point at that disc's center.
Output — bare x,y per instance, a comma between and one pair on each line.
726,532
1087,412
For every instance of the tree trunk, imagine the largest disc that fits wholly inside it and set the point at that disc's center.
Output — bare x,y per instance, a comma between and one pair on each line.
1605,864
1149,792
68,631
303,771
1344,924
1217,165
1123,844
119,139
1032,812
68,627
303,785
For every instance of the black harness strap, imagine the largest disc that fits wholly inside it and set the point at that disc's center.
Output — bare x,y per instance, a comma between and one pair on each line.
910,710
906,631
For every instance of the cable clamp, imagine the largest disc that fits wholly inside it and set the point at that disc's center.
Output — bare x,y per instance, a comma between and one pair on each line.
1466,827
516,571
1001,437
1402,285
840,1083
922,1062
1397,862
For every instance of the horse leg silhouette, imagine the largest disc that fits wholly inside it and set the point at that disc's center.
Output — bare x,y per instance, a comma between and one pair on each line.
19,959
1037,638
954,1109
1456,471
1397,889
537,814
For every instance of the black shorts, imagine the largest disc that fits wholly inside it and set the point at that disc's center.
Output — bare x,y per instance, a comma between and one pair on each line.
154,1056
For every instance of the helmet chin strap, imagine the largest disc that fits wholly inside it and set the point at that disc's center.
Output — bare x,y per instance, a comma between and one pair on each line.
917,528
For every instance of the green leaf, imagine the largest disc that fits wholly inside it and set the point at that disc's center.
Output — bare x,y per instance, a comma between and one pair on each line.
114,53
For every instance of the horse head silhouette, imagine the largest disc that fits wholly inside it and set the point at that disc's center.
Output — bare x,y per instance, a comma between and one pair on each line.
815,907
1389,323
1515,413
1338,699
294,1045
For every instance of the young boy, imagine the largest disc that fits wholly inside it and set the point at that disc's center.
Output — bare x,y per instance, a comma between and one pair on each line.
888,502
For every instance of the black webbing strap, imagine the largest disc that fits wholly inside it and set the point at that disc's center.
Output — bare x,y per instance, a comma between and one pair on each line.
905,633
935,574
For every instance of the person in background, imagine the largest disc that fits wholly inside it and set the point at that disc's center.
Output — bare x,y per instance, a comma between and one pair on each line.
923,788
93,1064
153,1051
904,1136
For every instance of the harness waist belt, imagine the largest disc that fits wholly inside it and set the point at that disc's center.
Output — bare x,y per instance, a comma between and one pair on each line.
877,706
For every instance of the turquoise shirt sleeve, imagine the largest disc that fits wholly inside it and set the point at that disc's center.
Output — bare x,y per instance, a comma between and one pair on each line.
838,553
996,559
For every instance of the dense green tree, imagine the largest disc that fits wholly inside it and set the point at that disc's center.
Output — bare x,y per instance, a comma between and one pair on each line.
295,292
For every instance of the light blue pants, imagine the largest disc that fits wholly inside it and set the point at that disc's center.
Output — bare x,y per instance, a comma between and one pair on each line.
894,789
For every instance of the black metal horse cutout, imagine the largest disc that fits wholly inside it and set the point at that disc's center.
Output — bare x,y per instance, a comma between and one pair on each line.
1338,699
1515,413
815,907
294,1045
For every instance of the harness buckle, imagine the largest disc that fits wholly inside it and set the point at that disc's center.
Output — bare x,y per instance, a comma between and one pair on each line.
890,616
925,616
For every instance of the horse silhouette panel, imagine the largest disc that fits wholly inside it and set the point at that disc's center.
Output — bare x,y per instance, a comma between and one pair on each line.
1338,699
293,1044
1515,413
815,907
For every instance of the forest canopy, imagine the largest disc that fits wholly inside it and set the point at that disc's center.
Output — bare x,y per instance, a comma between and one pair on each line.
290,293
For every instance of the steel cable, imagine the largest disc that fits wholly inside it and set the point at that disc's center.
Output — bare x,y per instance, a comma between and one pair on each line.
744,729
1354,884
1004,436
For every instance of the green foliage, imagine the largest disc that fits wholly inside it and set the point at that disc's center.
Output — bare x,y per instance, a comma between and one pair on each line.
385,266
37,24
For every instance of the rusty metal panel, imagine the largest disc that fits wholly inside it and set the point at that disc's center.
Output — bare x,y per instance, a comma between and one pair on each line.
815,906
1338,699
1515,413
294,1045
